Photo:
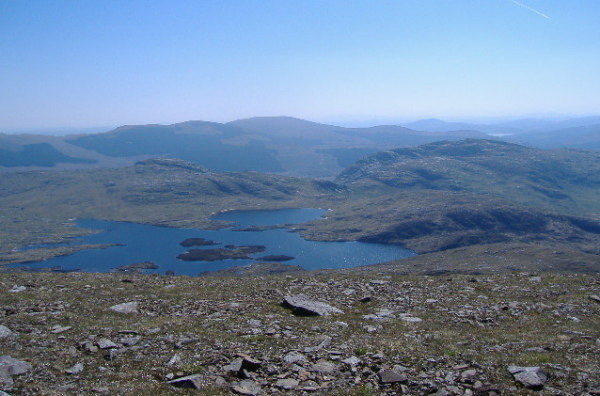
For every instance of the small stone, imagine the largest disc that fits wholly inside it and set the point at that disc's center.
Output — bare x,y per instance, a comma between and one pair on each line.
235,366
193,381
411,319
174,360
75,369
5,332
126,308
324,367
105,343
17,289
595,297
88,346
60,329
247,387
529,377
535,350
390,377
287,384
341,324
309,386
249,363
468,374
352,361
294,357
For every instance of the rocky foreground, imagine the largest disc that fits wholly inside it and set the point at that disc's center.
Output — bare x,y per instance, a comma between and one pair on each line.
378,334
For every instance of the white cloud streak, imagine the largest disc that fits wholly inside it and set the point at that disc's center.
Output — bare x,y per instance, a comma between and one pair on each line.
530,9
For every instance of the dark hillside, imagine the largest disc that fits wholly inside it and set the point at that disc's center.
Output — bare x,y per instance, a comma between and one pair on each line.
37,154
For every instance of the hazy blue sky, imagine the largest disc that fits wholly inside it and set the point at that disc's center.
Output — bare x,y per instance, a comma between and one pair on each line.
97,63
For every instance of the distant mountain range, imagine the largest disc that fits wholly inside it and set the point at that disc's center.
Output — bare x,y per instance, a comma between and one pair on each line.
282,145
267,144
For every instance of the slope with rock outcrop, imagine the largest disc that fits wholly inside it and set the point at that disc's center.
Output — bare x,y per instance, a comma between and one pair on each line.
449,195
562,180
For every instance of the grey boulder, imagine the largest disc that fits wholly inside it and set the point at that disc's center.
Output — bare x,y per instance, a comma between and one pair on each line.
529,377
10,366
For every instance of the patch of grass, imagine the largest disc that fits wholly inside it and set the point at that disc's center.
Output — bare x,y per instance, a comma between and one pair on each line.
360,351
534,359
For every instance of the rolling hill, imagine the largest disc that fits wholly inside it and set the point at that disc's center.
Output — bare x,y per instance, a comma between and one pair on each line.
560,180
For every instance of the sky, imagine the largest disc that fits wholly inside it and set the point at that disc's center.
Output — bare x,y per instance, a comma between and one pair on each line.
72,63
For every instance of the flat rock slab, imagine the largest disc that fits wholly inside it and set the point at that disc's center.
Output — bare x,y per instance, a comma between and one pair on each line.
391,376
105,343
193,381
287,384
324,367
60,329
304,306
529,377
127,308
10,366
